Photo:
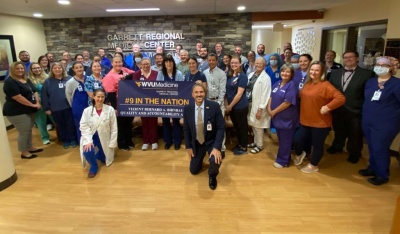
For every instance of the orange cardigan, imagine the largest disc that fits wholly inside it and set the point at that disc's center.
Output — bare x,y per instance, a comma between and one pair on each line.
313,97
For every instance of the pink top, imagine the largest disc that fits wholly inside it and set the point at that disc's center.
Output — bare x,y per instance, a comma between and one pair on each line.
110,81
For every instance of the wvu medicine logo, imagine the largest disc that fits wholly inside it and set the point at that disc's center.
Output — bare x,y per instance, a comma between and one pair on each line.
138,84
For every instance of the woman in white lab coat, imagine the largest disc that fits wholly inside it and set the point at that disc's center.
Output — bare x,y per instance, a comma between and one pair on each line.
99,133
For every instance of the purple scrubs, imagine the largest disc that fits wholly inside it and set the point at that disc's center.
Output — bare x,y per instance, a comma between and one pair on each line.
299,78
287,120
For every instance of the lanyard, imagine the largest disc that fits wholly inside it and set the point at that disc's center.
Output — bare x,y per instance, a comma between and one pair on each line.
347,79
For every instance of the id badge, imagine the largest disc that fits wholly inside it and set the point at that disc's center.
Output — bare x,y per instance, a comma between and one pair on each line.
209,126
248,94
33,97
60,85
213,87
234,81
80,88
377,95
277,75
96,85
301,86
275,89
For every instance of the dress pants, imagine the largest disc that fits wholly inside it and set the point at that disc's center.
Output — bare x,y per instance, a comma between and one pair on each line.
317,135
347,125
65,125
95,154
169,134
379,142
23,123
285,138
196,162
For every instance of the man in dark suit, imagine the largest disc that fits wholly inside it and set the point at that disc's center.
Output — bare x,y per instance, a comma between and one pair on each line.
350,80
204,129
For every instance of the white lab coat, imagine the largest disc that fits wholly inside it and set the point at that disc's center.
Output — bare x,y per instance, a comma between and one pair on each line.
106,127
260,96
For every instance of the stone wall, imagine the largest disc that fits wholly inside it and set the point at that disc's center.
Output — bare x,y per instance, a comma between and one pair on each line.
78,34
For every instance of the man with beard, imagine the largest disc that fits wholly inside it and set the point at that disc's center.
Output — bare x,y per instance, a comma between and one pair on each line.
261,53
203,64
204,127
219,51
158,62
86,59
25,58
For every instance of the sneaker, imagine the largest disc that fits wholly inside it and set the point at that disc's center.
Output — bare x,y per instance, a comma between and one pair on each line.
256,150
46,142
66,145
298,159
277,165
145,146
240,151
74,144
310,168
154,146
252,145
49,127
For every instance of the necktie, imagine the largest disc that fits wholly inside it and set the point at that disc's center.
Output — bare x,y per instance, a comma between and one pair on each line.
200,126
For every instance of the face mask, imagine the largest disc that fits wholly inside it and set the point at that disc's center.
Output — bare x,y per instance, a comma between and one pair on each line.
138,60
273,62
295,66
381,71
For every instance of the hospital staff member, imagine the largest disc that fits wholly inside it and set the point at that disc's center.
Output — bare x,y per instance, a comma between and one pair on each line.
283,107
99,133
381,118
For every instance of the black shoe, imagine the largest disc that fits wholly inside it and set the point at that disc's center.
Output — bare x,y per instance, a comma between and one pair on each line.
36,151
223,154
28,157
124,148
353,159
332,150
377,180
167,146
366,172
177,147
212,182
236,148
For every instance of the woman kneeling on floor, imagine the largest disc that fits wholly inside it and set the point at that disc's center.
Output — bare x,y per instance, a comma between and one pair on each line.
99,133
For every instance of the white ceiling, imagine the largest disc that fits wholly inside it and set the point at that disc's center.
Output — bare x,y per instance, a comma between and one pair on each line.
97,8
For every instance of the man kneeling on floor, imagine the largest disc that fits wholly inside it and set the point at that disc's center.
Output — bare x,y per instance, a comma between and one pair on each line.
204,129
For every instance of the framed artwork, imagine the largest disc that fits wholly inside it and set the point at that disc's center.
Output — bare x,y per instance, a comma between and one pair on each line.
7,54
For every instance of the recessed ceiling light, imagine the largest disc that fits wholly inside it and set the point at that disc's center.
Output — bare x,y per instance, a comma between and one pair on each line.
63,2
133,9
37,15
241,8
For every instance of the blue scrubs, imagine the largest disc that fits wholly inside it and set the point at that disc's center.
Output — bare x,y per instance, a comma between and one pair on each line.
79,103
381,122
287,120
95,154
274,75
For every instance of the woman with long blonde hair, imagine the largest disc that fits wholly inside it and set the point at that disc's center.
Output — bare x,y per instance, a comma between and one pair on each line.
37,76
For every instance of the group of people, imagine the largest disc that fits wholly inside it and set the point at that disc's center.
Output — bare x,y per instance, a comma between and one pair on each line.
300,98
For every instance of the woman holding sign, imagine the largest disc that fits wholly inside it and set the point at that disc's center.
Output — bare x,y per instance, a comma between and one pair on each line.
149,124
170,73
110,85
